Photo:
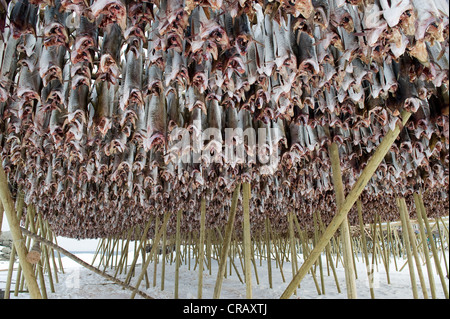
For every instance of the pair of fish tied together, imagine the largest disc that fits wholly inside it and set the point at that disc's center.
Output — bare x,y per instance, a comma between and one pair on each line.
113,111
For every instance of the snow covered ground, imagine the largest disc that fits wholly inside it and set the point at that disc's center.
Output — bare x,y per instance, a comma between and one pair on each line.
80,283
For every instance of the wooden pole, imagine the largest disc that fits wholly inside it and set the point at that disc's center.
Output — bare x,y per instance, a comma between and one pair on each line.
20,279
1,216
374,249
37,261
147,262
238,249
12,257
269,262
97,251
141,243
103,252
110,257
351,198
208,249
247,239
442,246
81,262
201,247
384,255
350,278
392,245
46,251
13,222
306,250
163,266
254,265
53,239
316,237
123,257
364,244
277,254
306,253
177,258
329,257
155,255
189,248
292,246
425,247
403,211
19,205
413,242
226,242
432,245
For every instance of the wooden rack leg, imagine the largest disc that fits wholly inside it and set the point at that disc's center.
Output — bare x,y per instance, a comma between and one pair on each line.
268,252
226,243
292,246
402,208
155,256
147,262
177,257
13,255
201,248
351,198
364,244
18,240
413,242
425,247
350,278
247,239
141,242
163,266
432,245
81,262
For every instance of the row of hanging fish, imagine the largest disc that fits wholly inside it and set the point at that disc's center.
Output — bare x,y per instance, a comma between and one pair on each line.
96,98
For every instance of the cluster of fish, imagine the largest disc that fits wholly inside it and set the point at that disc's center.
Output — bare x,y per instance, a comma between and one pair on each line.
94,93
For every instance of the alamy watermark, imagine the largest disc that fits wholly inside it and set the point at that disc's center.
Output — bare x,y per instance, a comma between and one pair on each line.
233,146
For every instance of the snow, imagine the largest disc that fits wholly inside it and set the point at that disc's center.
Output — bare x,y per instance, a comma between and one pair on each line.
78,282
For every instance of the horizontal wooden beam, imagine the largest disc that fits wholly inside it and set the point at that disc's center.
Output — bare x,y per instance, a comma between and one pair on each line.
80,261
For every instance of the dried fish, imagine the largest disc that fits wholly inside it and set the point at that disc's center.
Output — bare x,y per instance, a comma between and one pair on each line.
109,11
113,111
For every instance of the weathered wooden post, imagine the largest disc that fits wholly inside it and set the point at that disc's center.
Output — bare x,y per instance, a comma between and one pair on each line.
350,278
292,245
155,256
13,222
147,262
141,243
177,257
412,239
425,247
201,248
247,239
432,245
364,244
269,261
163,266
351,198
226,242
402,208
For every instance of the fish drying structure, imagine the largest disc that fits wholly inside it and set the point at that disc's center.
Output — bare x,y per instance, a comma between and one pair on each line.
263,128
